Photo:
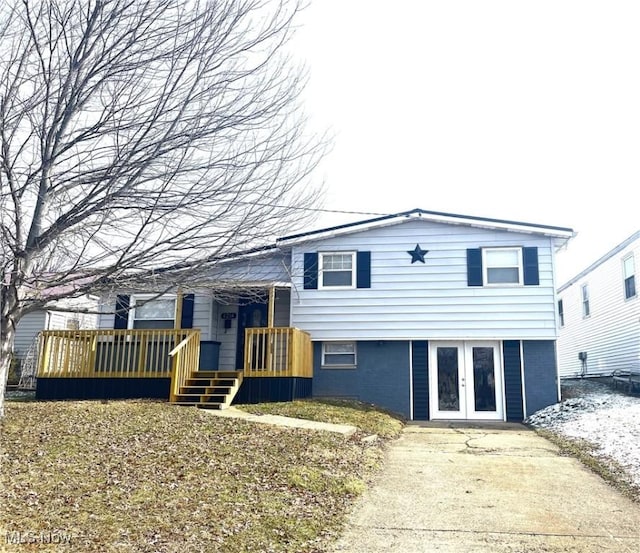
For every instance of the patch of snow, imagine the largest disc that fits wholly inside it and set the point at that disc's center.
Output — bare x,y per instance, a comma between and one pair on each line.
605,418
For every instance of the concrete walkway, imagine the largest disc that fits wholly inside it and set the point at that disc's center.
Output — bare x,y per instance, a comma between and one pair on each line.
496,489
278,420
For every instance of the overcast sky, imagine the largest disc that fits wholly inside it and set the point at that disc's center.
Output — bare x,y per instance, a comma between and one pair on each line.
508,109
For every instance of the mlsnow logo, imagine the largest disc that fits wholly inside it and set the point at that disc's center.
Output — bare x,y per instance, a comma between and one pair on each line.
20,537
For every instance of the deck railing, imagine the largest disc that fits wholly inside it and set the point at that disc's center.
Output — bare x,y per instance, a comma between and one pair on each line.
186,358
271,352
111,353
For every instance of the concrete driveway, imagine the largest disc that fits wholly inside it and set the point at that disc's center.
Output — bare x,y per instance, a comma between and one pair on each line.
493,488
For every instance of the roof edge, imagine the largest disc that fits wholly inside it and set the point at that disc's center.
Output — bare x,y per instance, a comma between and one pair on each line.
617,249
452,217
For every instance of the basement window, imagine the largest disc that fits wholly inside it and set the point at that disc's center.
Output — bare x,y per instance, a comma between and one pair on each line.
338,355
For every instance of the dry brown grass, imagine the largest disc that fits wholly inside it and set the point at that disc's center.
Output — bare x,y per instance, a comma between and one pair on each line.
146,476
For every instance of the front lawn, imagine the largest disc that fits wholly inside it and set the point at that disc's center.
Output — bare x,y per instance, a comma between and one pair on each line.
367,418
147,476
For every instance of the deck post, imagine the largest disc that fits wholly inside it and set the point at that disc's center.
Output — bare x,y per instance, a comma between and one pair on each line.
271,307
178,322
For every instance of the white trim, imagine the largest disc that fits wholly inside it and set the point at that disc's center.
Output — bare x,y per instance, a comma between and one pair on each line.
486,267
626,258
584,287
466,386
321,285
324,365
146,296
411,416
524,388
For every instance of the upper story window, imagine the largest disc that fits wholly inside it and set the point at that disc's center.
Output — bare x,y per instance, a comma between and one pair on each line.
628,270
150,312
502,265
337,270
586,309
561,312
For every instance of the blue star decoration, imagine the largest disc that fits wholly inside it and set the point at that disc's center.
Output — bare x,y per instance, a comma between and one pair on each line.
417,254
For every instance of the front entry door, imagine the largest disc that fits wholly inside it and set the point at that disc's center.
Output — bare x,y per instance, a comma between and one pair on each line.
252,315
465,381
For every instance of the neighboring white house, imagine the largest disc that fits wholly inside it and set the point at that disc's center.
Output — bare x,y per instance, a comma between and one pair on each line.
599,315
54,319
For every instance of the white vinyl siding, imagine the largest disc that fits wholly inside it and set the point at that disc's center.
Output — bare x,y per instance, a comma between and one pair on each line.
611,334
425,300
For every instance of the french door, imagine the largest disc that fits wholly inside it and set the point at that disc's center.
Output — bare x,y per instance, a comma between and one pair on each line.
465,381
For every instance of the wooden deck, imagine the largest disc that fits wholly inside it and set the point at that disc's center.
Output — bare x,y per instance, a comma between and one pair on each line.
100,363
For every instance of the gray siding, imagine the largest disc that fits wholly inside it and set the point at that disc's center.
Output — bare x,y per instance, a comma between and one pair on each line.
611,333
540,375
430,300
27,330
271,267
228,338
382,376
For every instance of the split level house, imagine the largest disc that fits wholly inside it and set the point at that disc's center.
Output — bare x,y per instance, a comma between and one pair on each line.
430,315
599,315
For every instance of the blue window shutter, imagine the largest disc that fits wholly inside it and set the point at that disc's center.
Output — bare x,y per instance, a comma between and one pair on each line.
474,267
530,263
187,311
363,269
121,320
310,278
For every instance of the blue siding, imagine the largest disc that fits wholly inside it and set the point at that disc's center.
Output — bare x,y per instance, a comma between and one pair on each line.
103,388
263,390
540,374
513,380
420,372
381,377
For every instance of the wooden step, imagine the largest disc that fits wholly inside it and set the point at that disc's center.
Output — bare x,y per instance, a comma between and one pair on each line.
209,389
205,390
215,374
211,382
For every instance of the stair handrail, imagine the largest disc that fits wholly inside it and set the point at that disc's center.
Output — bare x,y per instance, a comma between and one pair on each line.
185,358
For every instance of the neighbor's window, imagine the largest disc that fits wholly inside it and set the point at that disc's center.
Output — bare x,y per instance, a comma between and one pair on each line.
153,312
337,270
628,268
502,265
561,312
586,310
338,354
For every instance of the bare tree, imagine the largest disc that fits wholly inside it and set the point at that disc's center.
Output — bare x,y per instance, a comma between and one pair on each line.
142,134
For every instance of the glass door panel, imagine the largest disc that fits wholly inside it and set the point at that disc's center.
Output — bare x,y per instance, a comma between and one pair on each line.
448,379
484,379
446,383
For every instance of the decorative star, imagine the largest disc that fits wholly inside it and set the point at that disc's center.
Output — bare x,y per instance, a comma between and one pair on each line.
417,254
